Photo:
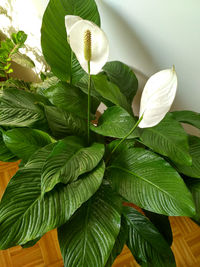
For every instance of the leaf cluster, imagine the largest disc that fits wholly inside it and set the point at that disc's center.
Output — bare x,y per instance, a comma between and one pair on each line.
81,188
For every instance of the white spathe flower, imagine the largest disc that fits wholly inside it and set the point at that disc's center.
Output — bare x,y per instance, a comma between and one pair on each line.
157,97
88,42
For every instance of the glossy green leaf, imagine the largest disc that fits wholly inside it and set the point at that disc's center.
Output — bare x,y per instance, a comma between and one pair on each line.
123,76
194,186
23,142
115,122
69,98
5,154
63,123
119,243
20,109
69,159
25,215
148,181
145,242
194,150
168,138
55,47
88,238
110,91
162,223
187,116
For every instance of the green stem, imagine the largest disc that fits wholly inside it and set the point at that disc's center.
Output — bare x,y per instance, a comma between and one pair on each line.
89,104
124,138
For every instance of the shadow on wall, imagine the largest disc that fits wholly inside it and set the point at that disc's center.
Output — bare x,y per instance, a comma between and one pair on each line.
125,45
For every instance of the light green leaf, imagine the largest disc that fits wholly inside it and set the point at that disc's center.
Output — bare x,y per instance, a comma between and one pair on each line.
68,97
23,142
63,123
187,116
194,150
145,242
168,138
123,76
88,238
148,181
55,47
69,159
115,122
20,109
25,215
110,91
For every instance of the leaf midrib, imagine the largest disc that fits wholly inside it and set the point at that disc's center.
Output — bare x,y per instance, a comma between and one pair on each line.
142,178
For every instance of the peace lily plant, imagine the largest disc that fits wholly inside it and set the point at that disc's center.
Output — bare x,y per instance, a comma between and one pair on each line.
82,176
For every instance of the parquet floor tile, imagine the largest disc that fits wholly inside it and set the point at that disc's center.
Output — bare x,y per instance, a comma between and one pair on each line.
46,253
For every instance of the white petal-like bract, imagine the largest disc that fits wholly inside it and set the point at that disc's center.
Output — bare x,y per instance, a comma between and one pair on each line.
157,97
76,30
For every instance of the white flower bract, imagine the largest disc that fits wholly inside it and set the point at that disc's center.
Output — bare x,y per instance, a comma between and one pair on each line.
76,29
157,97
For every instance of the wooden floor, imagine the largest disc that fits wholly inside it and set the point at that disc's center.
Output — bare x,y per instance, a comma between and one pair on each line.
46,252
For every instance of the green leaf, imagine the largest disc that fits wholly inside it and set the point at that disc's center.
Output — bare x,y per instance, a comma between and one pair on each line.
68,97
168,138
63,123
119,243
5,154
88,238
55,47
25,215
110,91
115,122
162,223
145,242
23,142
148,181
194,150
69,159
20,109
194,186
187,116
123,76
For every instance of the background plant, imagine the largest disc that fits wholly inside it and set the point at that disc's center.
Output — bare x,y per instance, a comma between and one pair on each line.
67,184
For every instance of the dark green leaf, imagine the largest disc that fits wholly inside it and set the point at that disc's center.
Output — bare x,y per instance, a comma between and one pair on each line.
187,116
119,243
115,122
88,238
148,181
123,76
110,91
55,47
168,138
69,159
20,109
23,142
5,154
162,223
69,98
31,243
63,123
194,169
145,242
25,215
194,186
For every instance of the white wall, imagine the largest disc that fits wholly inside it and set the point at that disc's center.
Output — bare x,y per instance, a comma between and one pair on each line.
151,35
